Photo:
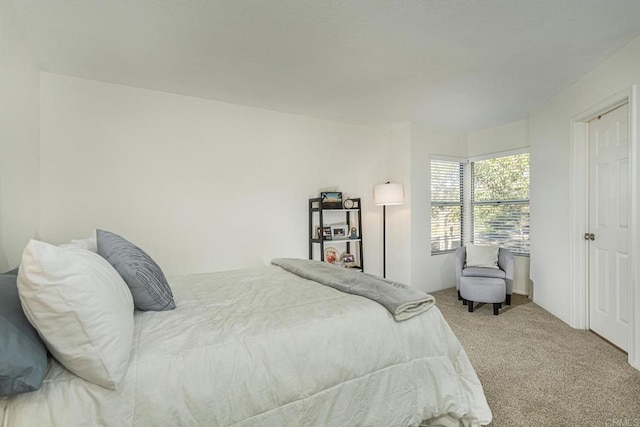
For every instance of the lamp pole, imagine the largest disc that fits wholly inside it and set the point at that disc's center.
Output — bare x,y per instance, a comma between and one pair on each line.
384,241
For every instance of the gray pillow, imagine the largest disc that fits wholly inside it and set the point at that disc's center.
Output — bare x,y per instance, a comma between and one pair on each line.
145,279
23,355
13,272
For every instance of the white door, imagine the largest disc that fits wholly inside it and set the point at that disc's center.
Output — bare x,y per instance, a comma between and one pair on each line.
609,306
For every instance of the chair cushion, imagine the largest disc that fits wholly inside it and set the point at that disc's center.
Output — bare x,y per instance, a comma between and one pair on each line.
482,289
483,272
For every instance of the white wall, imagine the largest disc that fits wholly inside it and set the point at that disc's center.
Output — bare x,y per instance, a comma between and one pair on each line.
201,185
511,136
429,273
19,145
495,140
549,139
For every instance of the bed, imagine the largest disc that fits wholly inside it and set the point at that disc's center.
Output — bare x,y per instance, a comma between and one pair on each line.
265,347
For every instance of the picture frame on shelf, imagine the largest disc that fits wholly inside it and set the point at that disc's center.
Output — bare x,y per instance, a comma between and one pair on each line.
340,231
326,233
331,200
347,260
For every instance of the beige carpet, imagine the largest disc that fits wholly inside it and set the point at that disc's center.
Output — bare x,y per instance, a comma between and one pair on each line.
537,371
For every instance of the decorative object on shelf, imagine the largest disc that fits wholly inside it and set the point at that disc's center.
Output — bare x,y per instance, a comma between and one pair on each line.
387,194
326,233
347,260
331,200
331,255
348,204
339,231
354,233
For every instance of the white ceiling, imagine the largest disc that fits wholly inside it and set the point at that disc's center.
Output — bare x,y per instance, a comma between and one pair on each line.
462,64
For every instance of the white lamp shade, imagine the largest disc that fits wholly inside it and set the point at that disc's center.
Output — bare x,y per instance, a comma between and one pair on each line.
388,194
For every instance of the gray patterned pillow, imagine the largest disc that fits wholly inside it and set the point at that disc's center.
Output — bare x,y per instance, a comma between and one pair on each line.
145,279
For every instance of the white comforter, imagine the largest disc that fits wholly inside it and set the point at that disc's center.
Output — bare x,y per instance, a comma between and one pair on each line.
263,347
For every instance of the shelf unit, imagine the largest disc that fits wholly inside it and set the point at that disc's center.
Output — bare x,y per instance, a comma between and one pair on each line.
319,217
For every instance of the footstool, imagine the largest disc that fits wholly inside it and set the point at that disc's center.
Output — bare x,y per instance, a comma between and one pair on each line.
489,290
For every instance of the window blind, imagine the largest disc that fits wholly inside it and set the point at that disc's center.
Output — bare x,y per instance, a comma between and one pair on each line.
500,202
446,205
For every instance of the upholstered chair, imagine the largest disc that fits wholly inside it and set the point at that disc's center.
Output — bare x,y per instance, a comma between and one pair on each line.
505,270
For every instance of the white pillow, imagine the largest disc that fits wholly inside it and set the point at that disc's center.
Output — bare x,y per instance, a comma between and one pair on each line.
482,256
81,308
90,243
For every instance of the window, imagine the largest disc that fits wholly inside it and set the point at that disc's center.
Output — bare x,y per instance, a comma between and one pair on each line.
446,205
485,201
500,202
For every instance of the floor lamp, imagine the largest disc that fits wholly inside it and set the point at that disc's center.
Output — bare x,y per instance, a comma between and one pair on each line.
385,195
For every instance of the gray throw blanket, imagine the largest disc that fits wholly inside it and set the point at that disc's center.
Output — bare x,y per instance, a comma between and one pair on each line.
401,300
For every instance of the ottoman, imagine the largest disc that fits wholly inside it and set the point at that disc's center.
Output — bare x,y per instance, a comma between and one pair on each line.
489,290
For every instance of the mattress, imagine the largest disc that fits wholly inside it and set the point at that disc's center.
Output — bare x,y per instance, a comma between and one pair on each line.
264,347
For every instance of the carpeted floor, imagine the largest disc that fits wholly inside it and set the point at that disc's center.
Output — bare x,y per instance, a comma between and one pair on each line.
538,371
